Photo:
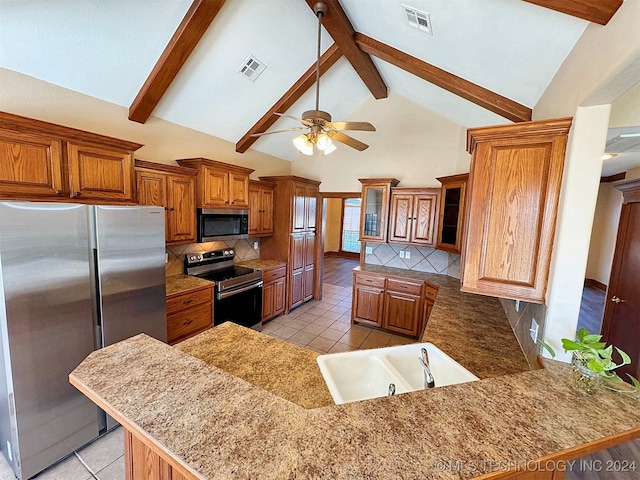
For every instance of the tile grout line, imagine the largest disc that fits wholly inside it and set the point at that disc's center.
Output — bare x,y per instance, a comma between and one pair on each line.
93,475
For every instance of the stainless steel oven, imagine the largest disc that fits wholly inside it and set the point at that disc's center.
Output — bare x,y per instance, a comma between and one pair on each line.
238,290
216,224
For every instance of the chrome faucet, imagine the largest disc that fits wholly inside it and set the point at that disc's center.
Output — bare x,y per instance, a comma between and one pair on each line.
429,381
392,389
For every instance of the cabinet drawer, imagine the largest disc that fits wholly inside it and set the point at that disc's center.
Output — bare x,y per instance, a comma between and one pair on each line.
430,291
188,321
404,286
370,281
188,300
273,274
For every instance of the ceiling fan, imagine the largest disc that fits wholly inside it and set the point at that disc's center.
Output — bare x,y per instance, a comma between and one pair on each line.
322,131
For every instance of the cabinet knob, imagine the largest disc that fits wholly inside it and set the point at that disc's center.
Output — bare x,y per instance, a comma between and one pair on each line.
171,209
58,192
78,194
233,203
226,203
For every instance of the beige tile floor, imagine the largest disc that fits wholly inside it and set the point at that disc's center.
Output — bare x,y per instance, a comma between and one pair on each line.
323,326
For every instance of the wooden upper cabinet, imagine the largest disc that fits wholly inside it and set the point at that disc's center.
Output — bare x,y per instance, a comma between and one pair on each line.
173,188
100,173
30,165
452,212
43,161
374,213
414,216
260,208
514,187
219,185
304,207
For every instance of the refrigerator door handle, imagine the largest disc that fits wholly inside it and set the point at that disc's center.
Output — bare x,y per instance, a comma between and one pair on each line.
97,295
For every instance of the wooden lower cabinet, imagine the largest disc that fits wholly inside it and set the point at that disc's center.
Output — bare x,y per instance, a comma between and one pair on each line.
143,462
273,292
302,264
396,304
189,313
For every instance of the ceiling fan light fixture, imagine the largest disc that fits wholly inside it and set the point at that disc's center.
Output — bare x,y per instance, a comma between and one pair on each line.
303,144
323,142
330,149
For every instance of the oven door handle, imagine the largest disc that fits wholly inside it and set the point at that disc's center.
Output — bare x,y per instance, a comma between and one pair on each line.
223,295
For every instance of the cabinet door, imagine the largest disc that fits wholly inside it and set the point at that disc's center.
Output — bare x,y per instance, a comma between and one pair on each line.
30,166
181,209
238,190
309,275
401,220
299,203
279,296
187,323
425,215
368,305
402,313
515,186
297,252
152,188
312,198
267,301
309,249
375,209
451,219
100,173
266,195
255,210
297,293
216,187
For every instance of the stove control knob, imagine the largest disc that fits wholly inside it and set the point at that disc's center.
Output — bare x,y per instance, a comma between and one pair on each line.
231,252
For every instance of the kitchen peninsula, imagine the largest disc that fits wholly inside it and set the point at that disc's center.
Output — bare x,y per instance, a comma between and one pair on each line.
185,416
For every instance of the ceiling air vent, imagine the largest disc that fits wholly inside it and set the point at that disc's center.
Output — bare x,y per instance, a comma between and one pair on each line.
418,19
252,68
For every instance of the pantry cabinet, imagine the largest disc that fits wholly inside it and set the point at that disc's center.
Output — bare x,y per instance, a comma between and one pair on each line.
414,216
397,304
260,208
514,188
43,161
294,236
451,222
219,185
173,188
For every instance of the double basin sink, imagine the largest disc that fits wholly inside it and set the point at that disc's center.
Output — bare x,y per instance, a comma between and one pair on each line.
364,374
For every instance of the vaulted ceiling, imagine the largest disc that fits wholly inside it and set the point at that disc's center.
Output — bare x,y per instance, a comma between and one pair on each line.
509,48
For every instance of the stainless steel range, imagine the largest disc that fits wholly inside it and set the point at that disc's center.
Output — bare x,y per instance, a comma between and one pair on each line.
238,290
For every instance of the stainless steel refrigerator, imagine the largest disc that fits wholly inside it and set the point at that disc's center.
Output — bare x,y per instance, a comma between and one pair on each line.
73,278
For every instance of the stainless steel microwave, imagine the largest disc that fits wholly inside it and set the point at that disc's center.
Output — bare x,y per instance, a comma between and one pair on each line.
216,224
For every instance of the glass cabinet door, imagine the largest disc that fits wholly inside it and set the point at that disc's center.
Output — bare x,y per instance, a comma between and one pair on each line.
374,212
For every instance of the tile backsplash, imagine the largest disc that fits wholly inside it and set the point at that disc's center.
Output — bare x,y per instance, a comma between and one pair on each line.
176,253
520,321
421,259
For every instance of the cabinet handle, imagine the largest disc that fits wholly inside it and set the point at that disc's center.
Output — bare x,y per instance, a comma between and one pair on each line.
171,209
187,302
166,208
369,280
615,299
58,192
187,322
227,202
403,286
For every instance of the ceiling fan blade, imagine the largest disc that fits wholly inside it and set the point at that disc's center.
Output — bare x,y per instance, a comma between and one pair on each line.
278,131
364,126
347,140
304,122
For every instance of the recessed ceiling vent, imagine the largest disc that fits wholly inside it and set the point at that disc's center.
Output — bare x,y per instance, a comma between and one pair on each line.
626,142
252,68
418,19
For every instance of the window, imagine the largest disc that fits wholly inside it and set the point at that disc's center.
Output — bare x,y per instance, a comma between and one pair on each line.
350,225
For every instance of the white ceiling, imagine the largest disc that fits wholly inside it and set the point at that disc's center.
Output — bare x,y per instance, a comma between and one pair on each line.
107,49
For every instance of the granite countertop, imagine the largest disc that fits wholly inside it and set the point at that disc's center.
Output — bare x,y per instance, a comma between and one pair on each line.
471,329
259,264
263,361
222,426
177,284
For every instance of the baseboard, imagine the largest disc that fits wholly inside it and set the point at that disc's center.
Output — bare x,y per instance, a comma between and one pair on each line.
355,256
590,282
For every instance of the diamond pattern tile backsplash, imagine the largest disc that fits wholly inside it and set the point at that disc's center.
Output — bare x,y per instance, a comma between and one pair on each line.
175,266
421,259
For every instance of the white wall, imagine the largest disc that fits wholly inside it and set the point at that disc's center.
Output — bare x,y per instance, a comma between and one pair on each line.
601,67
420,146
163,141
604,233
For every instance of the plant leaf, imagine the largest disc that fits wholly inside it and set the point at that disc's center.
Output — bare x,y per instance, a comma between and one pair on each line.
592,338
594,366
571,345
635,381
606,353
580,334
626,359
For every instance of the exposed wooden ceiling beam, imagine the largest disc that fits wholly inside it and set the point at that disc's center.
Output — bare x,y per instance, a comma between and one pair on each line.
613,178
481,96
304,83
339,27
596,11
184,40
